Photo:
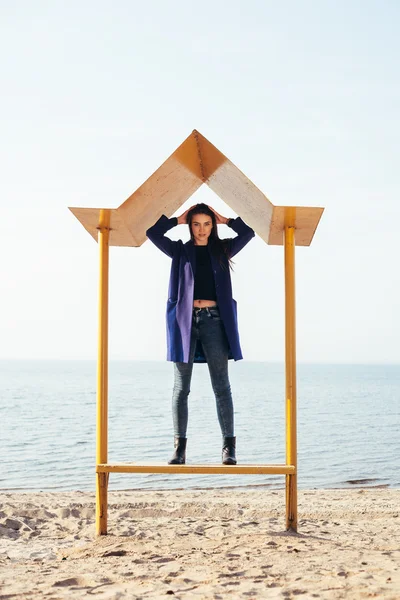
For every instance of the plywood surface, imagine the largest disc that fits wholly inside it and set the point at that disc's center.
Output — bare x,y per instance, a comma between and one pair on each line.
304,219
194,163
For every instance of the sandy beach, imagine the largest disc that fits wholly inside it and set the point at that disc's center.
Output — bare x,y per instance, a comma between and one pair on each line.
201,544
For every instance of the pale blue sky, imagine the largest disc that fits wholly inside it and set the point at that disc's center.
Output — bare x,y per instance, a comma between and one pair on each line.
303,96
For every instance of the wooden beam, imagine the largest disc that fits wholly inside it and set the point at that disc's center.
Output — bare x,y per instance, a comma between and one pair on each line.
188,469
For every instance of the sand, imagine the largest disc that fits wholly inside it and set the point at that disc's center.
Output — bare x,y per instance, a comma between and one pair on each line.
201,544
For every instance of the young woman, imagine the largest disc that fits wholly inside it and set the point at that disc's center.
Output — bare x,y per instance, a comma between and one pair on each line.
201,314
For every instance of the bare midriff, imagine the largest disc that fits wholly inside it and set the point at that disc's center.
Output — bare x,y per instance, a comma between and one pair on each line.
204,303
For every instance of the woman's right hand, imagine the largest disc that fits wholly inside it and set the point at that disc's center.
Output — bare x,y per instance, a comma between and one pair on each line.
182,219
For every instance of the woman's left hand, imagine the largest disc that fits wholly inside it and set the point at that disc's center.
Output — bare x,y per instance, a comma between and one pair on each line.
219,218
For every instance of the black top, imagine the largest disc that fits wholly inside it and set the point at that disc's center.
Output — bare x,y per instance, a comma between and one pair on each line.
204,284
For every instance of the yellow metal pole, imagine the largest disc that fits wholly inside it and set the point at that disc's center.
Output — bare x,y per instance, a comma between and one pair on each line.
102,375
290,369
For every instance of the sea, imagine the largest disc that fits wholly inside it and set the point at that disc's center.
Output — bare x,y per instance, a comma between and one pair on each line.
348,424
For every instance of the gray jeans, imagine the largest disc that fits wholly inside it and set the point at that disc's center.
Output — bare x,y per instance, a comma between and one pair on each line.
208,328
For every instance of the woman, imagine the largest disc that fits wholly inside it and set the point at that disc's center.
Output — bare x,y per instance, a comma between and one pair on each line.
201,314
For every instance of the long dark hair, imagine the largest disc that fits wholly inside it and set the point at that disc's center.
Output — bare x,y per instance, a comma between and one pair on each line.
219,248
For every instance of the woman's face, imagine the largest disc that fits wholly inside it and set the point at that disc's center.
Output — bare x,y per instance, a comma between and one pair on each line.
201,229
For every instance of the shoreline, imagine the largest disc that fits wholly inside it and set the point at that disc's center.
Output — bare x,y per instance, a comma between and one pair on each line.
346,486
201,544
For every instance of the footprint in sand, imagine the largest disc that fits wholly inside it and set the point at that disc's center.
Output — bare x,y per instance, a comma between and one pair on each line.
79,581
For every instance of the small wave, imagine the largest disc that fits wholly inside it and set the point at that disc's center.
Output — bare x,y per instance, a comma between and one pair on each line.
371,483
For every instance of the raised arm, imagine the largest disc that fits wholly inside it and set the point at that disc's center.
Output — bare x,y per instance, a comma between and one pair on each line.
157,231
244,235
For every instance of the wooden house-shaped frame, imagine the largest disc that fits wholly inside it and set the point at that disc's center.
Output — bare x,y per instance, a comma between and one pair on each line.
194,163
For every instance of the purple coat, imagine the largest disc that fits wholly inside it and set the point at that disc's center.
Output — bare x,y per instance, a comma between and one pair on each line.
181,289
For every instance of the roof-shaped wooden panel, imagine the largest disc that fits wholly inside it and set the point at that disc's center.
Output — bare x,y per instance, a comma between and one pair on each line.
303,218
194,163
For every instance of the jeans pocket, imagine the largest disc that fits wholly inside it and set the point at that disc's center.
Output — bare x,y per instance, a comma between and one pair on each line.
214,314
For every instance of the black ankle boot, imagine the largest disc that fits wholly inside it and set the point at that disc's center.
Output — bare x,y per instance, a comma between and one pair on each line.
229,451
179,456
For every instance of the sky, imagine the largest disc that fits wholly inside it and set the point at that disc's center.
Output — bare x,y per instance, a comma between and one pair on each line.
303,96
